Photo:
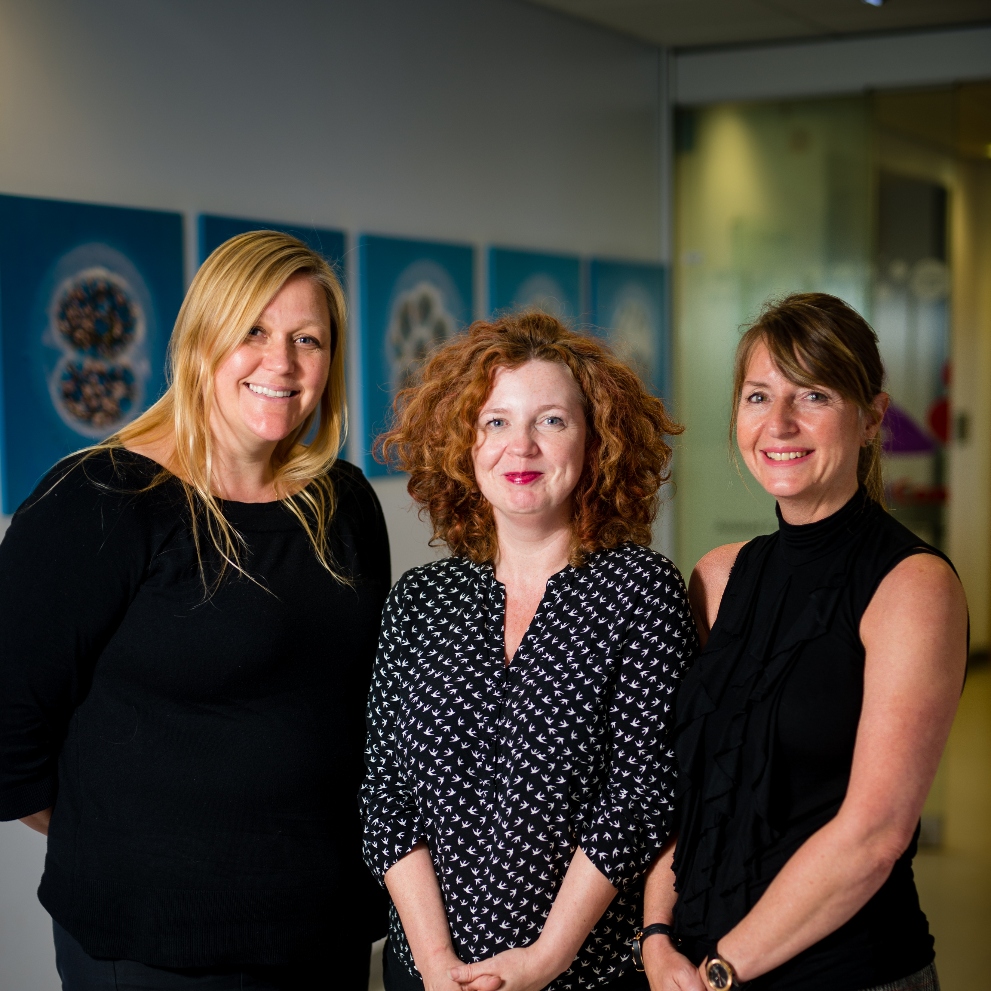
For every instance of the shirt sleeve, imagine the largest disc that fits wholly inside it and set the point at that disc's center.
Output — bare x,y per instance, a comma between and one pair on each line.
631,820
69,566
392,823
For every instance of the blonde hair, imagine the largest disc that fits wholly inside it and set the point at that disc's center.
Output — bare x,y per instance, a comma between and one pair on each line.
817,339
226,298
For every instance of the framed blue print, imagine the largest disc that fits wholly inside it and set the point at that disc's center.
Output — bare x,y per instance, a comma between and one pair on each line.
534,280
414,295
213,230
88,298
629,307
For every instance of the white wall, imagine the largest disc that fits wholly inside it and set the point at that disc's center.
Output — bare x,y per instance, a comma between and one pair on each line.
490,121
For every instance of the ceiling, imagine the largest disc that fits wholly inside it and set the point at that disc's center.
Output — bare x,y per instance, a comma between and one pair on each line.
702,23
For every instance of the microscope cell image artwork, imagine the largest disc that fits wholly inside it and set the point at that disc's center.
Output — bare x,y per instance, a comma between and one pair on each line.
414,296
88,296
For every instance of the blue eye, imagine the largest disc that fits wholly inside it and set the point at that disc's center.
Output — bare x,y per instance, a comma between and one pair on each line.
756,397
496,421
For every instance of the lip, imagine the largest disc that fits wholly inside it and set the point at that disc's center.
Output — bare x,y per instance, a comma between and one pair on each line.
522,477
805,453
272,388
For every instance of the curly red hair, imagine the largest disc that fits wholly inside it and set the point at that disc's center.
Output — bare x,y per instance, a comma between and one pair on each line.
435,429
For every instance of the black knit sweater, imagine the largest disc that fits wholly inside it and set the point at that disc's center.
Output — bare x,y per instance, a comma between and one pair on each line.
203,753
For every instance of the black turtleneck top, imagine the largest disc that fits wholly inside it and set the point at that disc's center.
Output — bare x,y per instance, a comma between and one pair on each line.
766,725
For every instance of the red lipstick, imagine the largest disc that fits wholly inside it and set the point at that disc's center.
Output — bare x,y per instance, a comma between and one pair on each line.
522,477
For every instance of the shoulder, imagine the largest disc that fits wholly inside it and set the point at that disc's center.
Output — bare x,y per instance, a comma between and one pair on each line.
89,480
349,481
635,563
921,589
708,583
446,577
711,573
353,493
94,505
890,555
434,587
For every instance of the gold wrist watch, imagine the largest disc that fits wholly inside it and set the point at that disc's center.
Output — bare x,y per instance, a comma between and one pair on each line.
719,973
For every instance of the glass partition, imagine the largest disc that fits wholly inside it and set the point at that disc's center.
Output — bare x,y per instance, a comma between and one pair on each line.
771,198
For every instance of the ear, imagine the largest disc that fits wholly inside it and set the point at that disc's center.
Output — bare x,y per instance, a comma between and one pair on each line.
872,424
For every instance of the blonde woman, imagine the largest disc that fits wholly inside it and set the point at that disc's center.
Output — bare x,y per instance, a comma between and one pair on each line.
188,617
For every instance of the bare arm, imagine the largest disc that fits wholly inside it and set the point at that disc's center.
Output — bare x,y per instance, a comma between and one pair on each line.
584,895
39,821
413,887
707,584
914,632
667,969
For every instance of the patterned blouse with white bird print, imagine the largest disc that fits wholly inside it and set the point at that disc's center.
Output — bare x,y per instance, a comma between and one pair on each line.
505,770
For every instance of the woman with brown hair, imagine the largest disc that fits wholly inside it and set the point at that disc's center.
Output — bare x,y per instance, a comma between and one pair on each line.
518,781
188,618
809,731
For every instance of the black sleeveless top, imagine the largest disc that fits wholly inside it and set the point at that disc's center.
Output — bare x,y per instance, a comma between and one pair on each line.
766,724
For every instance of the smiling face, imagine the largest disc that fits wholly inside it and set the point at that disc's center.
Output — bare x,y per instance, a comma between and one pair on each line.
530,447
274,380
801,443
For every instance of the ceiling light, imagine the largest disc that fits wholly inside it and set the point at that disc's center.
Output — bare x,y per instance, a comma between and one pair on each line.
873,3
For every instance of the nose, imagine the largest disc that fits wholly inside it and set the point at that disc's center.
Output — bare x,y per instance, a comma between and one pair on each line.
279,355
522,442
781,422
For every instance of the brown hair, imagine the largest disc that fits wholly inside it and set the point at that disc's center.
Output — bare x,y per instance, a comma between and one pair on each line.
817,339
435,430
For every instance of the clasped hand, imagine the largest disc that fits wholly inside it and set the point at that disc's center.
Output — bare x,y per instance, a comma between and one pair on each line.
520,969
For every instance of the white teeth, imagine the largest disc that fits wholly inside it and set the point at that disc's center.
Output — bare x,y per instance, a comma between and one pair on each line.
785,455
273,393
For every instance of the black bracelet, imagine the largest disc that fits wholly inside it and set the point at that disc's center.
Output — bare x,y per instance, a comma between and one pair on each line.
636,944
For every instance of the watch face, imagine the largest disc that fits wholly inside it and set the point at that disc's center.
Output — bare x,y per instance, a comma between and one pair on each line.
717,975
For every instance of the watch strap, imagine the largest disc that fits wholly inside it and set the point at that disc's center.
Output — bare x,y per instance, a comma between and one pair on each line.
636,944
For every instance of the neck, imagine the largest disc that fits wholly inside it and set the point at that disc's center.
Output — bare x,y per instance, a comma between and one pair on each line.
244,476
810,507
531,551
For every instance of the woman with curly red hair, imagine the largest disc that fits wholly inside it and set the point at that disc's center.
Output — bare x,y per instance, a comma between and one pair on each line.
518,780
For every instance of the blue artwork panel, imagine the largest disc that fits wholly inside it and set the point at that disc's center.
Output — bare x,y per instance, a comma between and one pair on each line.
88,298
213,231
414,295
629,303
533,280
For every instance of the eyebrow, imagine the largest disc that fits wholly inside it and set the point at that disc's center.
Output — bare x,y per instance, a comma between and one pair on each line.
752,383
540,409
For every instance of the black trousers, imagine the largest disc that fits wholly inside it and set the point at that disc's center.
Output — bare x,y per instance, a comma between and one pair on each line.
396,977
343,968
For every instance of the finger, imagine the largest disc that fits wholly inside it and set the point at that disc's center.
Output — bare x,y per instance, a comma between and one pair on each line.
468,973
484,982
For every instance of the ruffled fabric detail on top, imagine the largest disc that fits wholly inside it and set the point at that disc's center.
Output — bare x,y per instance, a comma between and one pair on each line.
725,732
